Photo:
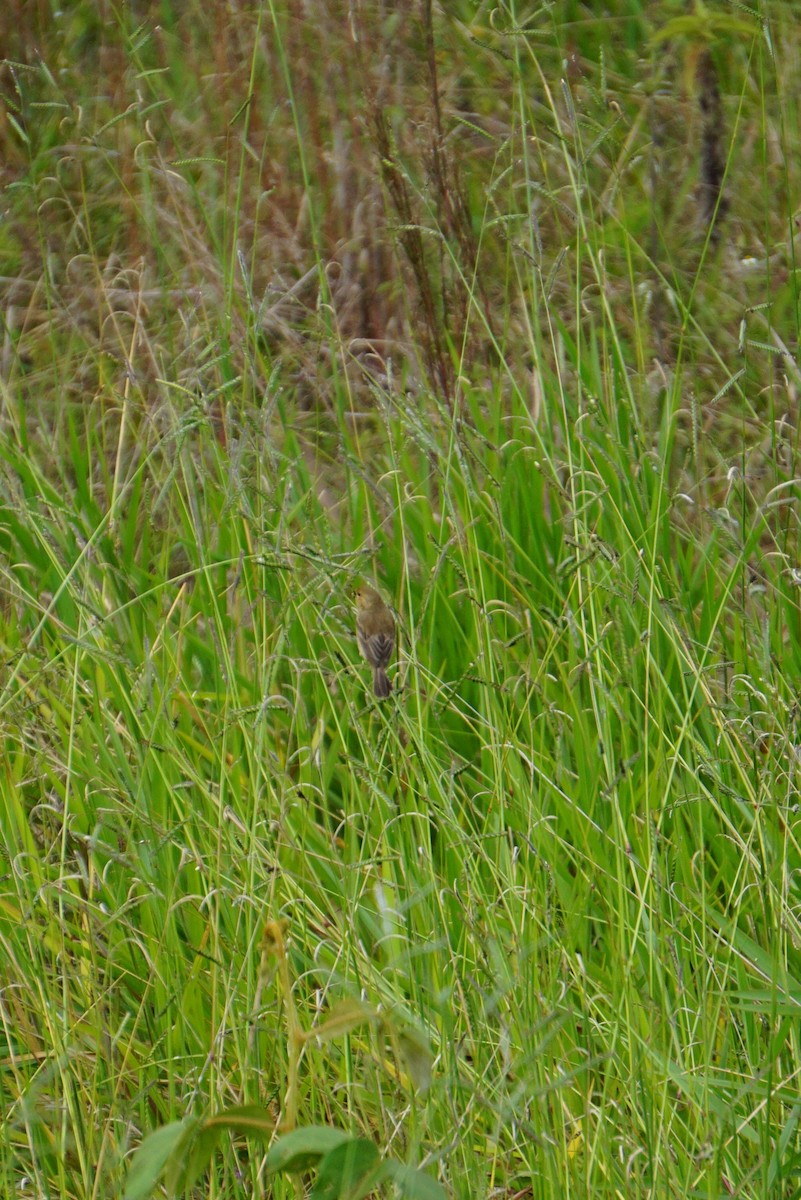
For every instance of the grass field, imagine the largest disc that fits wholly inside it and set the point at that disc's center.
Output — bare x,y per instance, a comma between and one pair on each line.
495,307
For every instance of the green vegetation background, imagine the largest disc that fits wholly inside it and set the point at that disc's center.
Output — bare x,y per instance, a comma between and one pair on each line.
496,306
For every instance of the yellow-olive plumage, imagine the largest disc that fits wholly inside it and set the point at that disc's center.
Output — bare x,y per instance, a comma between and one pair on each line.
375,633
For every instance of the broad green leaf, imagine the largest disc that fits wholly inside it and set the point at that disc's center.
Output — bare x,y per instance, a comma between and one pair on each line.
302,1148
252,1120
154,1155
341,1019
348,1172
203,1146
415,1184
704,28
417,1057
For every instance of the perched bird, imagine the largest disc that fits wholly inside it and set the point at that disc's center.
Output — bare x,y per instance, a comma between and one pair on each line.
375,632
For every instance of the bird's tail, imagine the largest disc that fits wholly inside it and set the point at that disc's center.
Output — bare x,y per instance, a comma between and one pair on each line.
381,685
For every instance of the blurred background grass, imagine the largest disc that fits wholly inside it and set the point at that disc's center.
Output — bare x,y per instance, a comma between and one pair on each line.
497,307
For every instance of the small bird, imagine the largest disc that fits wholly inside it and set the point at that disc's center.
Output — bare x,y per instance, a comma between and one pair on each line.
375,633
